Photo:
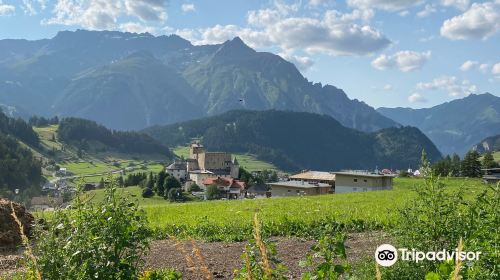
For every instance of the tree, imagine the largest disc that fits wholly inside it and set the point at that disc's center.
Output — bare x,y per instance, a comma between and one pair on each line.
443,167
101,183
471,166
213,192
194,188
455,165
160,183
171,183
174,194
147,193
120,181
489,161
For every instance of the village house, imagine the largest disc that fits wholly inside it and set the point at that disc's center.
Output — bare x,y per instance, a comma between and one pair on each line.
361,181
231,188
42,203
294,188
178,170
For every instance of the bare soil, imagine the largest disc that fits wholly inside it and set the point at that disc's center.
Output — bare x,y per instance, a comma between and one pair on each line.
219,260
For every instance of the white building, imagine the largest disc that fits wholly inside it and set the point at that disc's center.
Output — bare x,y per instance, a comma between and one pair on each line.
178,170
354,181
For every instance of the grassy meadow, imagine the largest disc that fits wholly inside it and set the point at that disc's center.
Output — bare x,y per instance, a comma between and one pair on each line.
300,216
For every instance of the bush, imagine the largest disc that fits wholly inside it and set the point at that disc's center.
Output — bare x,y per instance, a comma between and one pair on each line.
174,195
195,188
161,274
103,240
213,192
147,193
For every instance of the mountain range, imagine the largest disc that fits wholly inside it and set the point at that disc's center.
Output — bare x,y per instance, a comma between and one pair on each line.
455,126
295,141
132,81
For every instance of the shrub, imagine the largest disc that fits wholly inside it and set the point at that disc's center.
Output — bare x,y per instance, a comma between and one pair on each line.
103,240
161,274
213,192
147,193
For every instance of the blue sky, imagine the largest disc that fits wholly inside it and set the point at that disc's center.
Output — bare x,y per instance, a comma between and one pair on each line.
384,52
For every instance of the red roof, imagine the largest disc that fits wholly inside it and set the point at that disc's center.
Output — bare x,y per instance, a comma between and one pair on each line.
224,182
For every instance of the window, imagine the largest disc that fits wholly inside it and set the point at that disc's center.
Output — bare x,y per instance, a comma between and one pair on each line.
355,180
365,180
289,190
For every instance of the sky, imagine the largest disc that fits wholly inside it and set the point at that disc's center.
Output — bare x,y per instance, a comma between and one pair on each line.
390,53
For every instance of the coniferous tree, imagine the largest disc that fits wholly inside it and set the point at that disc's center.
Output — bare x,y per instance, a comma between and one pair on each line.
171,183
489,161
455,165
471,166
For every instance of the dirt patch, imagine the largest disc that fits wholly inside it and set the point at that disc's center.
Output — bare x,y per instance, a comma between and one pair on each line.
10,236
221,258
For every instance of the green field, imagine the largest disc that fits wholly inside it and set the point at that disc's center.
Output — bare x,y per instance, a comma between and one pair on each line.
301,216
249,162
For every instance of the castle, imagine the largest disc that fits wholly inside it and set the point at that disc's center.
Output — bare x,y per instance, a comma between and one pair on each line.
219,163
202,164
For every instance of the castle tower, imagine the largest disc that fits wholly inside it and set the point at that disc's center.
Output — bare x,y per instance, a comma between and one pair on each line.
195,150
235,169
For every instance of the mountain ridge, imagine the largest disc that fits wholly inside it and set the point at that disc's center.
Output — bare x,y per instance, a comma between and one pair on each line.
300,140
41,77
454,126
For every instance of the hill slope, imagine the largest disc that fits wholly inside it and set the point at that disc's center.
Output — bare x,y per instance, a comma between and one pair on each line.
489,144
294,141
453,126
130,81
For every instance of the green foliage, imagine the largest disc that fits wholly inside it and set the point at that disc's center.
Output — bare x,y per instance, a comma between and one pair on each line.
172,183
213,192
19,129
147,193
331,249
437,219
195,188
161,274
266,134
80,131
489,161
174,194
18,167
471,166
102,240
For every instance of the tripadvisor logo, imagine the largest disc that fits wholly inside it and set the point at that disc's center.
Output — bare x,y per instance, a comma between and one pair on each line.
387,255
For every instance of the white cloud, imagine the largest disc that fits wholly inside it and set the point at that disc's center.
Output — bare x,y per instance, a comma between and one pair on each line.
188,8
335,34
104,14
417,98
427,11
135,27
6,10
469,65
388,5
404,13
303,63
495,70
480,21
405,61
388,87
450,84
485,67
316,3
459,4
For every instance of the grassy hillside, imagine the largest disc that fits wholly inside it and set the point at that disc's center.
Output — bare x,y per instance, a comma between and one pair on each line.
247,161
92,163
231,220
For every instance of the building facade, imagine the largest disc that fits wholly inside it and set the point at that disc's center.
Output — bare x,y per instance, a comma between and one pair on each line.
295,188
361,182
